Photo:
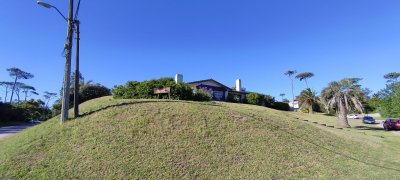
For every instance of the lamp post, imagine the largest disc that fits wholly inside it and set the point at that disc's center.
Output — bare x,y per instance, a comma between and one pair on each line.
67,69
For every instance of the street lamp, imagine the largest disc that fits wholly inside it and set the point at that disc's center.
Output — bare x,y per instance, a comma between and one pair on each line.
67,69
46,5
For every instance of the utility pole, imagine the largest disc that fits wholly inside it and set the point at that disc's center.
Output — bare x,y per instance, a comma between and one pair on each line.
77,73
67,69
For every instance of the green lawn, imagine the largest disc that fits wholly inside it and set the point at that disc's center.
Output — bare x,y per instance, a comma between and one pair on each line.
156,139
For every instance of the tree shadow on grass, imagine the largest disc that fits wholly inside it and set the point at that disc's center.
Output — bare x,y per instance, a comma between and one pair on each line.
331,115
368,128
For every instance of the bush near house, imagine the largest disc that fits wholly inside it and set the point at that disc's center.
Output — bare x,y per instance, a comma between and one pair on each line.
232,98
254,99
281,106
202,95
145,90
266,100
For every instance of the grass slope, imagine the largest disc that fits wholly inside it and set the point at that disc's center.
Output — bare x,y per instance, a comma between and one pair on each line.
174,139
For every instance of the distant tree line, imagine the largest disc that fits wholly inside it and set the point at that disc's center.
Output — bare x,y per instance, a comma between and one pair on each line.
15,105
387,100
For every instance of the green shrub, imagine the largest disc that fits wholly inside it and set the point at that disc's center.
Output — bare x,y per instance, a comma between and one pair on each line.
88,92
145,90
254,98
233,98
269,100
181,91
281,106
202,95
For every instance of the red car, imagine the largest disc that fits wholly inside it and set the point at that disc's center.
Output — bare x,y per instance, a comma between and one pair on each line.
390,124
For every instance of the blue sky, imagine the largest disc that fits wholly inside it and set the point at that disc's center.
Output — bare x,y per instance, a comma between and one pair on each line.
256,41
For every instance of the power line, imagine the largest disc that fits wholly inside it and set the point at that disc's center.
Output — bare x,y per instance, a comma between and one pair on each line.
77,9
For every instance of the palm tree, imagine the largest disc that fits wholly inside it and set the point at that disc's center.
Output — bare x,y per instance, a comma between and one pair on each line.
345,95
282,95
28,90
392,77
307,99
18,74
48,96
304,76
290,73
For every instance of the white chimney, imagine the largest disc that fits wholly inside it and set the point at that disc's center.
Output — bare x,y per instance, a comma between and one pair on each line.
238,85
178,78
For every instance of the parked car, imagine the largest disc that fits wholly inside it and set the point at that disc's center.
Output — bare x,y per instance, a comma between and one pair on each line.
34,121
390,124
368,120
352,116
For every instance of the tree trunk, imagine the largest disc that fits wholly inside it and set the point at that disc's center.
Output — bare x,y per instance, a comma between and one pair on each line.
343,122
5,98
13,89
293,94
327,109
310,109
17,93
305,80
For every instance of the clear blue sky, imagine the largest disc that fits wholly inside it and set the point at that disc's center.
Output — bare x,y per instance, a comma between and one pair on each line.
256,41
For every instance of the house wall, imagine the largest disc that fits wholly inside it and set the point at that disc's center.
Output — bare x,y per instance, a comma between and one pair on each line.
219,93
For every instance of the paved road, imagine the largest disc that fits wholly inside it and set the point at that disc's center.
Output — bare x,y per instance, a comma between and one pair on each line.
11,130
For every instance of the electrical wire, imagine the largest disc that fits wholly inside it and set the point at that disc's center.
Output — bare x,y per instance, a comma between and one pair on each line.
77,9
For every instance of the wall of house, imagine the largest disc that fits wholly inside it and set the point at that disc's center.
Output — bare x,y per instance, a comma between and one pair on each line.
219,93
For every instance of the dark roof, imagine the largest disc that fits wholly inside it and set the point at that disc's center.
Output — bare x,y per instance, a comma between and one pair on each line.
195,82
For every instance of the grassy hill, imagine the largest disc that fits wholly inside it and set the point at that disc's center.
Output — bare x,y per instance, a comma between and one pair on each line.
176,139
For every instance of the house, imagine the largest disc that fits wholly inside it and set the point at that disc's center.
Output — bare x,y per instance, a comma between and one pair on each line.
219,91
294,105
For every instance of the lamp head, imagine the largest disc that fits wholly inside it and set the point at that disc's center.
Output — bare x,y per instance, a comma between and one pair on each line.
46,5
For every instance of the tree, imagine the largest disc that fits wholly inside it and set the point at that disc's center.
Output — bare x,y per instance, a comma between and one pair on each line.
88,92
18,74
390,100
307,99
81,80
28,91
48,96
345,95
282,95
17,90
304,76
8,86
254,98
290,73
392,77
268,100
